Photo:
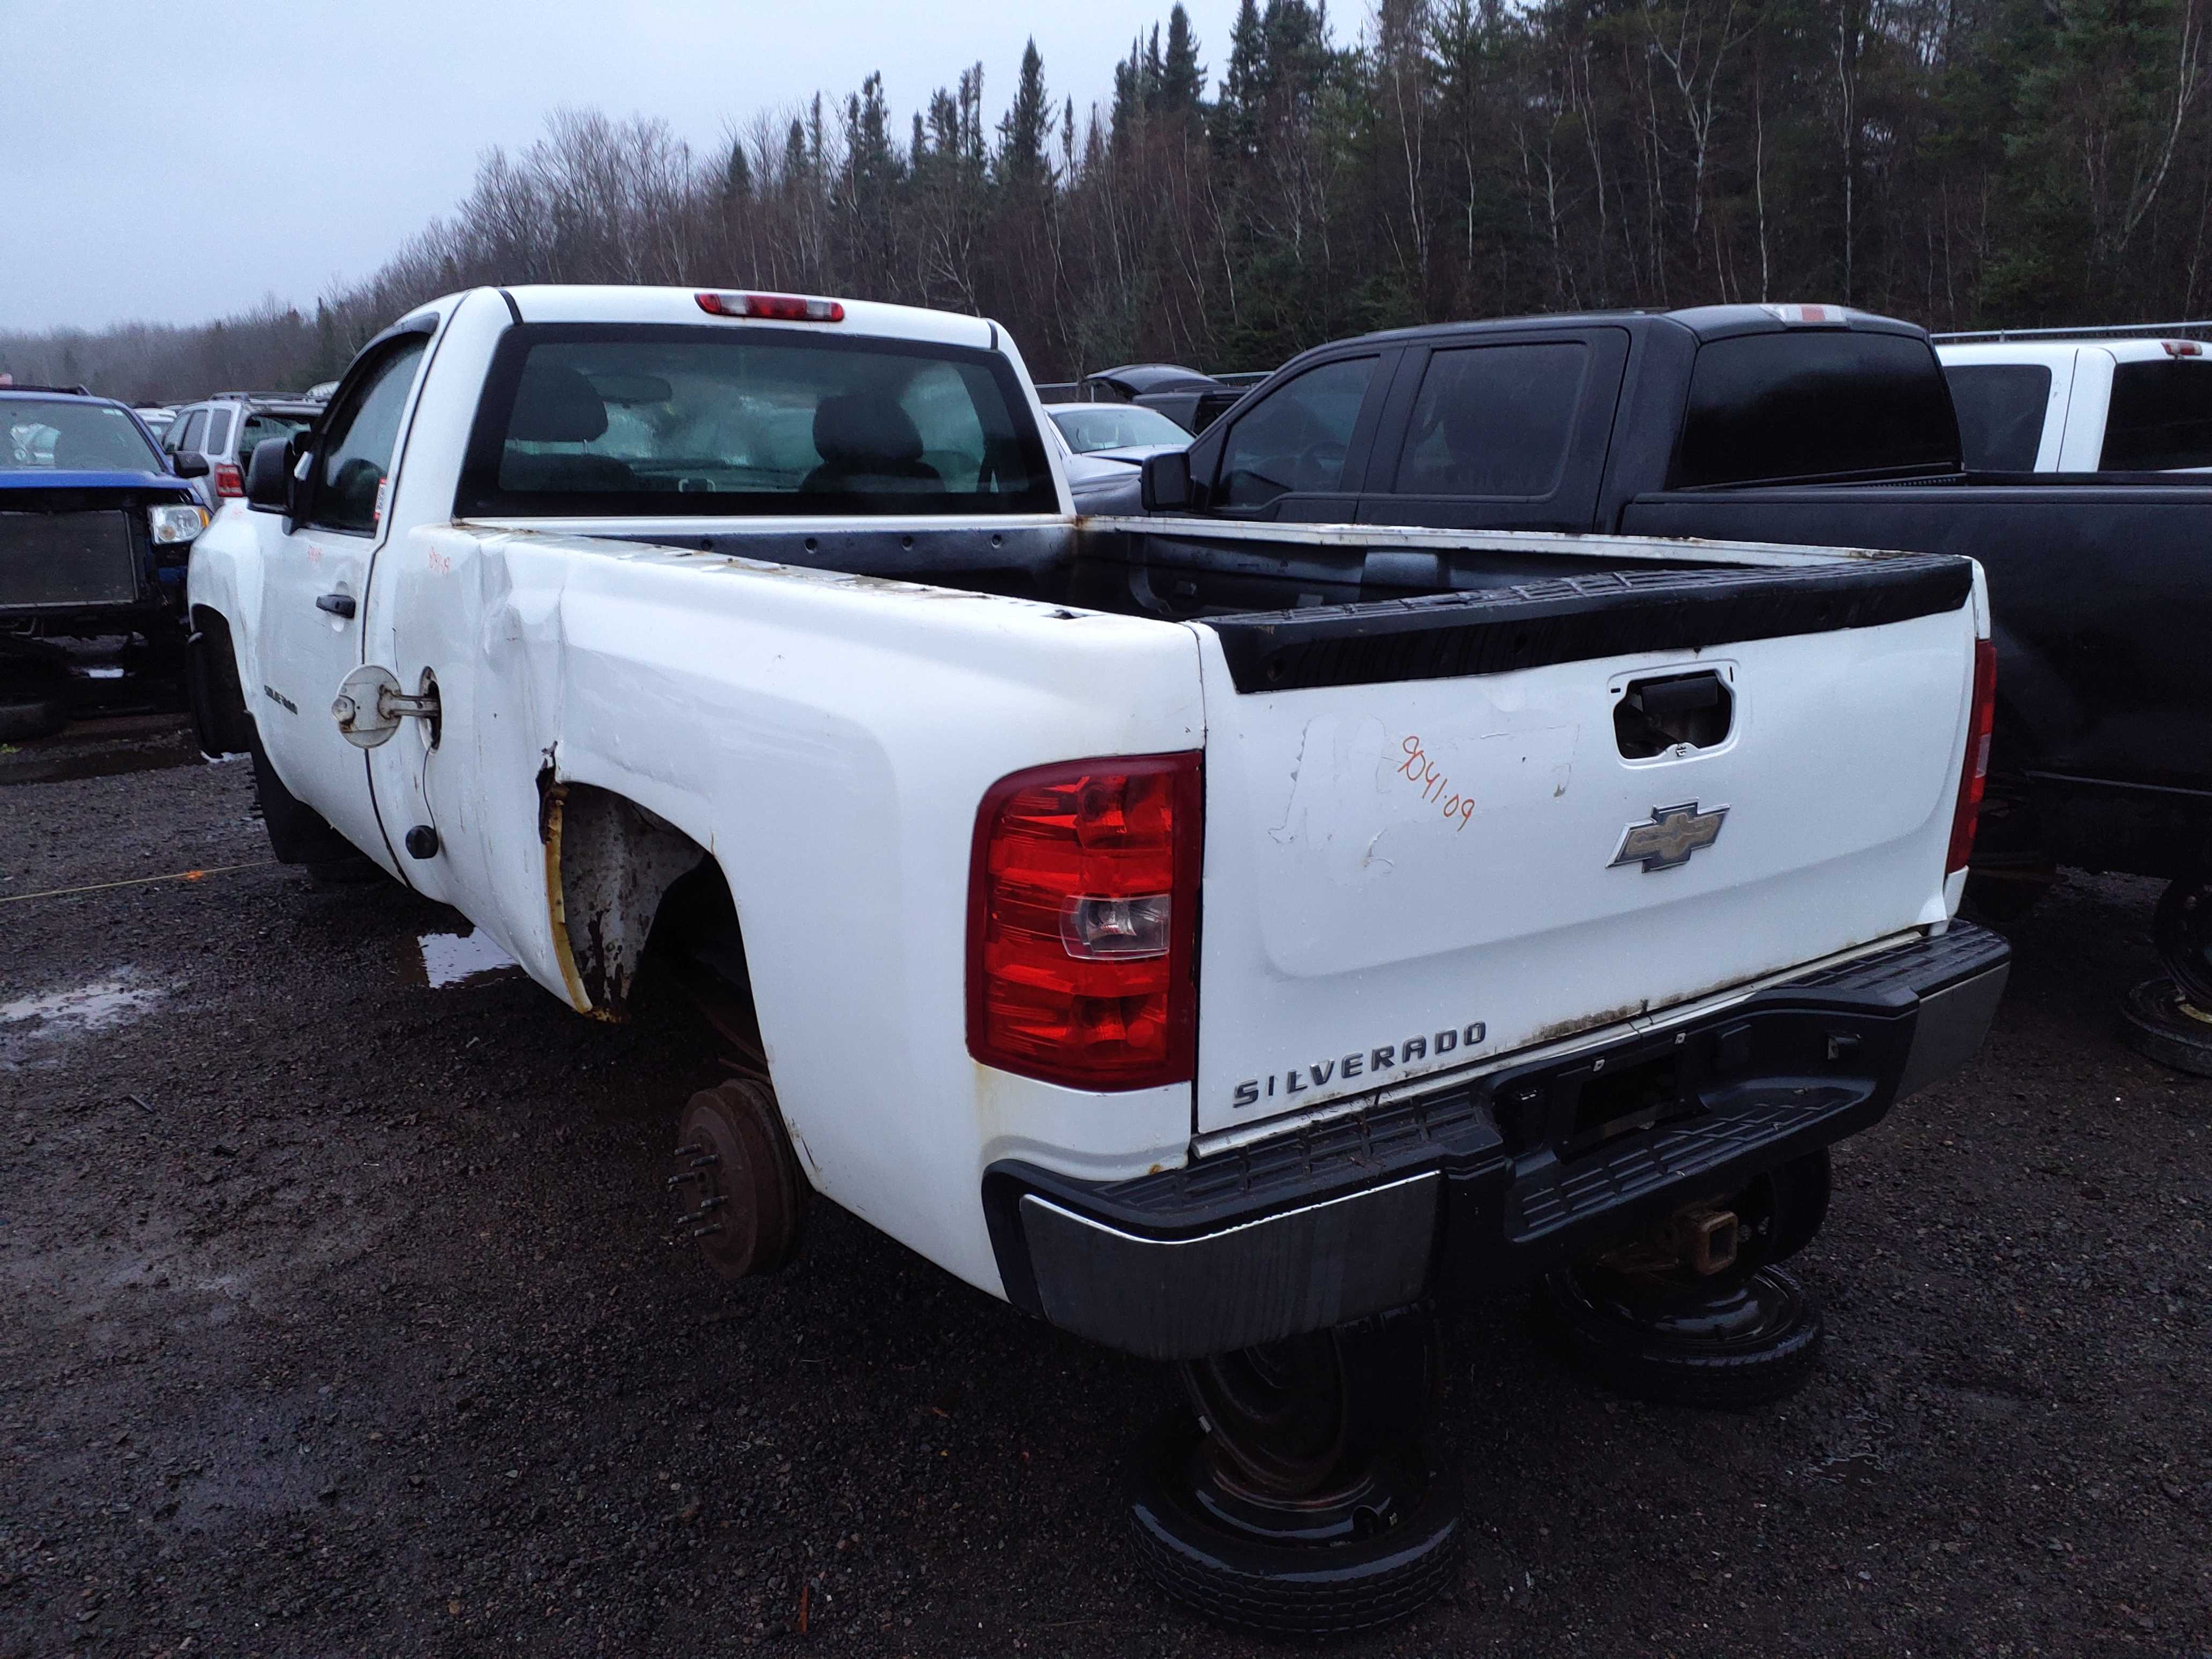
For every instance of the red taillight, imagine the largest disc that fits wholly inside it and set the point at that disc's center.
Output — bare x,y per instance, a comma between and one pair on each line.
773,307
228,480
1974,776
1083,912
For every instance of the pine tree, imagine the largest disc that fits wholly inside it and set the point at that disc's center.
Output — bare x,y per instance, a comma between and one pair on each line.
1022,131
1237,116
1182,77
794,155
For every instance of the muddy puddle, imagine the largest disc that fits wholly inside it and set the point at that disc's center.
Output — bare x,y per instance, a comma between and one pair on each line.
50,1020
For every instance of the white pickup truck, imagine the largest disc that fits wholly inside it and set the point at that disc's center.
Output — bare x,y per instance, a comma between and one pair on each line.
2104,400
1212,938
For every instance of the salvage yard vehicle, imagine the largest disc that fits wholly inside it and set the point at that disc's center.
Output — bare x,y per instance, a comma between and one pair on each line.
1102,444
1810,424
2087,400
225,430
95,529
1224,942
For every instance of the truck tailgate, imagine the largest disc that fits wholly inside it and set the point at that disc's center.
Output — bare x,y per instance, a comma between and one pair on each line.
1425,845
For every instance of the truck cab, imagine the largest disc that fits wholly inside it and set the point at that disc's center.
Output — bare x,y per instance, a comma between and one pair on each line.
2047,403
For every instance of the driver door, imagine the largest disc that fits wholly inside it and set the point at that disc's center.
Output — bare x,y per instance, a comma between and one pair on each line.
314,584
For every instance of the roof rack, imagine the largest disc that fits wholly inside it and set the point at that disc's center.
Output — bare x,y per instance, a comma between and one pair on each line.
260,397
2105,331
66,391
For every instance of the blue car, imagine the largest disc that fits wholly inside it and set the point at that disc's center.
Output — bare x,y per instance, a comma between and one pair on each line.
96,527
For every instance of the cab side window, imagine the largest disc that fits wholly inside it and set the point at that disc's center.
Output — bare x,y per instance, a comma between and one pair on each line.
356,453
1297,439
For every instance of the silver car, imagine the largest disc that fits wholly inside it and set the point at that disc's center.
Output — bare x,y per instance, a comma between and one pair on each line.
1104,445
226,428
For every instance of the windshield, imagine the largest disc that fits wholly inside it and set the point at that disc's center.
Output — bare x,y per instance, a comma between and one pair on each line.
72,437
1116,426
606,420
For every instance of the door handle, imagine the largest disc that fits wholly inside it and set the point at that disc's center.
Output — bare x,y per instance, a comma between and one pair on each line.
339,604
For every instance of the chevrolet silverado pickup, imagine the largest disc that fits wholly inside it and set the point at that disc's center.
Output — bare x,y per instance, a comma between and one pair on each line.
1216,958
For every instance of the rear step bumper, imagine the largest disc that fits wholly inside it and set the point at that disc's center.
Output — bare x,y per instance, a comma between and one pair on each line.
1494,1179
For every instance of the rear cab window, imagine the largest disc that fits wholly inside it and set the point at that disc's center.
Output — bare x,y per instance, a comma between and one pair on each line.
261,425
2001,414
1798,405
2159,419
606,420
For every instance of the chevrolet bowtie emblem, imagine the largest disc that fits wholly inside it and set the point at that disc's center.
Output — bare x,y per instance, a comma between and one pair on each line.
1668,837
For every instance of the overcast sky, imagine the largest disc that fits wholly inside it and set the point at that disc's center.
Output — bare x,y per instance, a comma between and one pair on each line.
173,163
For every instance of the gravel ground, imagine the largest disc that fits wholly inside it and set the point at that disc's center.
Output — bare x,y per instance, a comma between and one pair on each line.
339,1318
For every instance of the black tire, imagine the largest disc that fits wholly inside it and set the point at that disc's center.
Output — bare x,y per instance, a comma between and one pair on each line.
1299,1590
24,720
2181,929
2155,1021
1752,1340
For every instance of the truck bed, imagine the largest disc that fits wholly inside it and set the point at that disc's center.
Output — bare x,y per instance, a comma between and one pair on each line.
1424,784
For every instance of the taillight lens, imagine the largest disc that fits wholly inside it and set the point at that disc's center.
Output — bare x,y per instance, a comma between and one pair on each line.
1083,916
1974,776
772,308
228,480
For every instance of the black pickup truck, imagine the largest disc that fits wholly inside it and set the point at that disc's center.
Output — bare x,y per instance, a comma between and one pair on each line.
1808,424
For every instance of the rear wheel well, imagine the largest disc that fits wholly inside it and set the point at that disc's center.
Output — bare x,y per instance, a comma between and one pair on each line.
630,891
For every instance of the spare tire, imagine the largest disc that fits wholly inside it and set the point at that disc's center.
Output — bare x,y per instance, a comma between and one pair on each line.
1233,1578
1739,1343
2160,1024
23,719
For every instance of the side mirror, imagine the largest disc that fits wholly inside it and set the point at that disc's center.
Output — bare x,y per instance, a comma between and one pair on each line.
188,464
1166,481
268,477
